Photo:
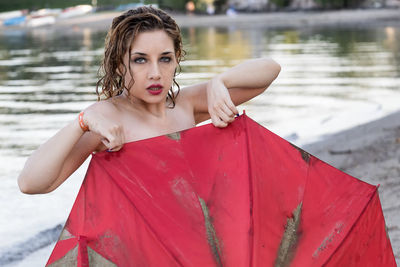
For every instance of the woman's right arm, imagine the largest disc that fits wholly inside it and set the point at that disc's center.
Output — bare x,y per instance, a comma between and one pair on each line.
54,161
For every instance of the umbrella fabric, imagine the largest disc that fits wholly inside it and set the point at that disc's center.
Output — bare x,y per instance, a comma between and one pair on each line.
238,196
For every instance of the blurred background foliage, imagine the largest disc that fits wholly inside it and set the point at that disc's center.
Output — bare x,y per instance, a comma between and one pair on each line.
170,5
337,3
102,4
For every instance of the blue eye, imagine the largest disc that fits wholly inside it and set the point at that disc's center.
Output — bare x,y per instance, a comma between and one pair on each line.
139,60
165,59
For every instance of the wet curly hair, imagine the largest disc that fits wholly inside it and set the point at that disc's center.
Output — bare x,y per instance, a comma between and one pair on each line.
120,36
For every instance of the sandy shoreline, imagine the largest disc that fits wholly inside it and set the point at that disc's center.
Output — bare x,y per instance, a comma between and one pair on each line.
298,19
370,152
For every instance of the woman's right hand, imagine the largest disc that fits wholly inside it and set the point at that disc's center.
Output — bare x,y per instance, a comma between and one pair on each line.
101,120
55,160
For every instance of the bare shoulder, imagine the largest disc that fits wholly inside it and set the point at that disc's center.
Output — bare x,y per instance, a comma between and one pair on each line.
107,106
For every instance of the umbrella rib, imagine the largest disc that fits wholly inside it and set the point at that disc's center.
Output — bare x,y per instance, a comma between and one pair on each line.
352,227
251,230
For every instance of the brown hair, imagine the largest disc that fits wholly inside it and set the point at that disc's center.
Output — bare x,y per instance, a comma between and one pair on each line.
123,31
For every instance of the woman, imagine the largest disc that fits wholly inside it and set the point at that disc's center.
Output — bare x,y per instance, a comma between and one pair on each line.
143,51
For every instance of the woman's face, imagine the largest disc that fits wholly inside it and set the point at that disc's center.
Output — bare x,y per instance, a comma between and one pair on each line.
152,64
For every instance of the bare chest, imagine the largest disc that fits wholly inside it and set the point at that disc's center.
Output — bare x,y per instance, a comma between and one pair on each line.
143,127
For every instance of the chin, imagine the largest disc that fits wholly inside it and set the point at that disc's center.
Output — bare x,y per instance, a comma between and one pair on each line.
154,99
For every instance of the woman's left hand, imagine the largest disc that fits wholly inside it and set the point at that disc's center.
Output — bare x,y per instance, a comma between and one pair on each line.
220,105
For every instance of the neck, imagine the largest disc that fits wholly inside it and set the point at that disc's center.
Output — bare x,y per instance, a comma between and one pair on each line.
154,109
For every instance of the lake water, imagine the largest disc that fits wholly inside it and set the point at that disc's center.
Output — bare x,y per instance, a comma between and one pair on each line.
331,79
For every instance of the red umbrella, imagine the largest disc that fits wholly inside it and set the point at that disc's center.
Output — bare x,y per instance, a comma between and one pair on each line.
238,196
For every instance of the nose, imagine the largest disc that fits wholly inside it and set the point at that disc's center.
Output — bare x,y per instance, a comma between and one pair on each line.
154,72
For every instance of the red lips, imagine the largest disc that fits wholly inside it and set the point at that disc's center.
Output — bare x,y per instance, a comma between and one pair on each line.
155,86
155,89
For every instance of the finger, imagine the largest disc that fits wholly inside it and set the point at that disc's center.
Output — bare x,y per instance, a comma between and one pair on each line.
231,106
115,136
105,142
108,145
116,143
214,119
222,124
121,141
121,137
115,149
111,141
217,122
224,117
228,112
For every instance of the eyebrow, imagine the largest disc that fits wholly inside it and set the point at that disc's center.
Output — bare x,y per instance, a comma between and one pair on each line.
144,54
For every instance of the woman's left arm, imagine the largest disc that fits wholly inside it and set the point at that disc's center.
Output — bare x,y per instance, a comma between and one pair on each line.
219,97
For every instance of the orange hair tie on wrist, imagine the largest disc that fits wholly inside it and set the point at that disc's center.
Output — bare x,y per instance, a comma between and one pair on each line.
84,127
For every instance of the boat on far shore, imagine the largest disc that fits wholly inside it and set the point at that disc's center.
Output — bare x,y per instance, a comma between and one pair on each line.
10,18
36,21
12,14
42,17
75,11
46,12
14,21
